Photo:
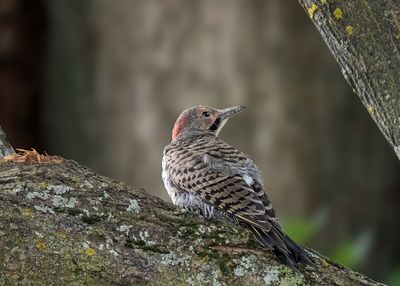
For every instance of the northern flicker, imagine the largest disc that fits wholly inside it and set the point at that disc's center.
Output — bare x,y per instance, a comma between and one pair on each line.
205,175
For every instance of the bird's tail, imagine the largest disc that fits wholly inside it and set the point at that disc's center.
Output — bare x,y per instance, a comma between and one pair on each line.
288,251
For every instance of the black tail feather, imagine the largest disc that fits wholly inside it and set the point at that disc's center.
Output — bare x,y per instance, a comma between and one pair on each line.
288,251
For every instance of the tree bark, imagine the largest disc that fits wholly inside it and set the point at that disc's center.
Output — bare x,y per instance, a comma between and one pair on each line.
63,224
363,36
5,147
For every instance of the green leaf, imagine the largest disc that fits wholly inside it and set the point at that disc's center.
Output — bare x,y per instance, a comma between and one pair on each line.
299,229
351,252
303,229
393,278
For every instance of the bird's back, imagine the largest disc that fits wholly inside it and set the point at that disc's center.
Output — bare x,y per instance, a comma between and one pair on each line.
217,174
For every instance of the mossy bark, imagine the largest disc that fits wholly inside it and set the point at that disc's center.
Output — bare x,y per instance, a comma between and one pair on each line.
364,37
62,224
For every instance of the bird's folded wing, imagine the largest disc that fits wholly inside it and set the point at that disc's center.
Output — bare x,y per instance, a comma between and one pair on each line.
247,170
227,191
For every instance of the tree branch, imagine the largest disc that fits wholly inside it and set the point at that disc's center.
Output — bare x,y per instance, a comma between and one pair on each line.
5,147
60,223
363,36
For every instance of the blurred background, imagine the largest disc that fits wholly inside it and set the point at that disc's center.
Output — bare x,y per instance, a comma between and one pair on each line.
102,82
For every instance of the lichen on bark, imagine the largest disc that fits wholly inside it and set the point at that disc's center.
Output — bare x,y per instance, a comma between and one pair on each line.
363,36
62,224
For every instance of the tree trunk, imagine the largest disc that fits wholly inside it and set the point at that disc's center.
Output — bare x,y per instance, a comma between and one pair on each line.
363,36
61,224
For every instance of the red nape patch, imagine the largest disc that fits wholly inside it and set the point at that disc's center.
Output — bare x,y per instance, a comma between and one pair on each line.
179,125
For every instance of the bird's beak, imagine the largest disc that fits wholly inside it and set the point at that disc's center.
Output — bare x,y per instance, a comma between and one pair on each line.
228,112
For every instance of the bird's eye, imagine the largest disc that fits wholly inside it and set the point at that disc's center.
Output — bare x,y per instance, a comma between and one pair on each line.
205,114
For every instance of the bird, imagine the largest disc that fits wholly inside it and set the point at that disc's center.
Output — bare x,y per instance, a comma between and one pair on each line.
205,175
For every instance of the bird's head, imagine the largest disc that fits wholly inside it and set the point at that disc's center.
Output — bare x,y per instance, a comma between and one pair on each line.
201,119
